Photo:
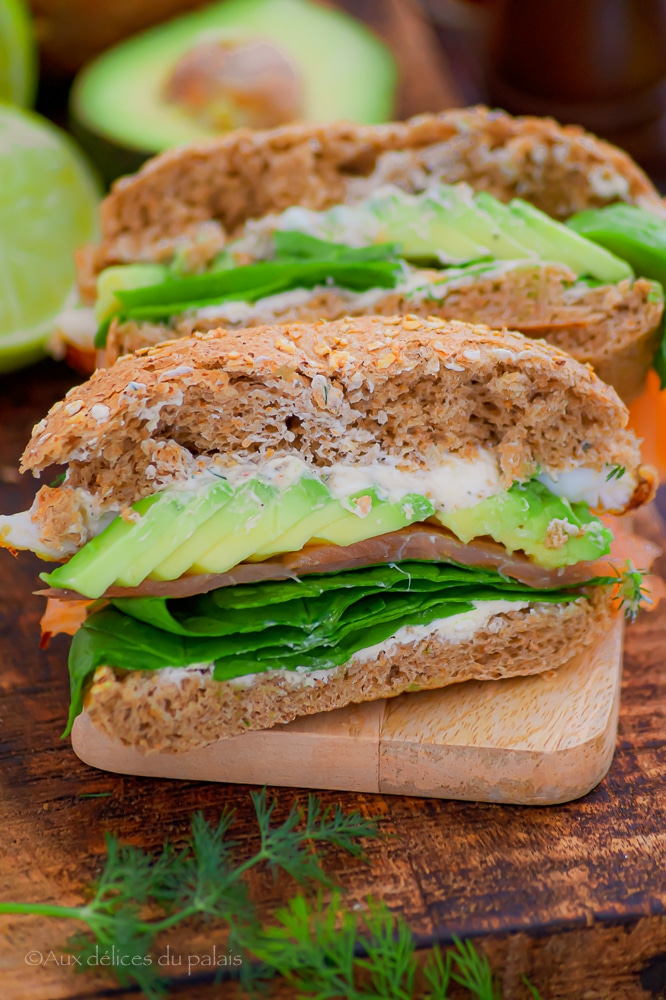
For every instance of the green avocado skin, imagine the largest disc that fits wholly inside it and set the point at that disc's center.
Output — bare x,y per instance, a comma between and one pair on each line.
118,113
522,519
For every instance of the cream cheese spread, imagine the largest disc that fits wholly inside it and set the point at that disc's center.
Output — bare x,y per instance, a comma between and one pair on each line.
608,489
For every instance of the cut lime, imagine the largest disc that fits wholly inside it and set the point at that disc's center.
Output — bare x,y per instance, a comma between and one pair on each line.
48,208
18,54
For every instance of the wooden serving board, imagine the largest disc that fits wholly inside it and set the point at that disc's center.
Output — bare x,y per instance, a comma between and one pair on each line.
537,740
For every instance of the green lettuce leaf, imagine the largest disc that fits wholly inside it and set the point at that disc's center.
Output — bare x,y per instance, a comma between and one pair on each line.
314,623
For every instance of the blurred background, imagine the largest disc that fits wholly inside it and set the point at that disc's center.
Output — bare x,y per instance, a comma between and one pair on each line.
596,62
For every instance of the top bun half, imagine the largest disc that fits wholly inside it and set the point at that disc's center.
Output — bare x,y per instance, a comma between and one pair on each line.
349,391
197,190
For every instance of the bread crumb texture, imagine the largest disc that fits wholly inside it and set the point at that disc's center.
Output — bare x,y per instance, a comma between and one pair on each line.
350,391
141,710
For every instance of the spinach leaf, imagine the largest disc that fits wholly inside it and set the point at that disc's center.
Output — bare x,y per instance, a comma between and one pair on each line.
315,623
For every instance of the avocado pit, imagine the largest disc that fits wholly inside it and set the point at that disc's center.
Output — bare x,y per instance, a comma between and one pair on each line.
225,85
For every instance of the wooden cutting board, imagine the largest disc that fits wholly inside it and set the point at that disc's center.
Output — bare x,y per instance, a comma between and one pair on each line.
537,740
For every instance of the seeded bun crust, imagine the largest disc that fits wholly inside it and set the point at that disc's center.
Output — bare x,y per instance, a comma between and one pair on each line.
615,328
202,190
337,391
348,391
144,710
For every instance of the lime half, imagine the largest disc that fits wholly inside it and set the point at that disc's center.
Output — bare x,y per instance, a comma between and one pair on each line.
18,54
48,208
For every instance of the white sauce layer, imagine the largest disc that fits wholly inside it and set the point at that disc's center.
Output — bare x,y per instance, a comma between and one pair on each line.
272,306
452,484
19,531
592,486
459,628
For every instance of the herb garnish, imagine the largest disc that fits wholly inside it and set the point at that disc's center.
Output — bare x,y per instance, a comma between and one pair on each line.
633,596
320,948
203,879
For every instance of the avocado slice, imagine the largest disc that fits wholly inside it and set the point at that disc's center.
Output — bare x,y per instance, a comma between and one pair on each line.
471,219
303,531
127,549
581,255
522,519
119,108
284,509
187,520
123,277
245,509
425,228
449,208
382,517
550,240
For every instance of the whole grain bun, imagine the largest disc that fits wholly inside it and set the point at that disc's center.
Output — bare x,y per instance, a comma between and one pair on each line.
347,391
615,328
200,189
178,711
204,194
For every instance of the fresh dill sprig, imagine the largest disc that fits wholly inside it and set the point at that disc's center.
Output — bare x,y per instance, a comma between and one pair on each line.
633,595
616,472
534,993
140,896
320,948
283,847
324,952
474,971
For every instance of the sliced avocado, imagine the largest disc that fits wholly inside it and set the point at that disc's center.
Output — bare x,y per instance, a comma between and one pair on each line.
637,236
567,247
284,509
119,107
197,510
109,555
531,519
455,209
303,531
382,517
423,227
245,509
124,277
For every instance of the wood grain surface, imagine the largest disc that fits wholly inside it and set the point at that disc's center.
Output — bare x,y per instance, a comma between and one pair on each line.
574,896
538,740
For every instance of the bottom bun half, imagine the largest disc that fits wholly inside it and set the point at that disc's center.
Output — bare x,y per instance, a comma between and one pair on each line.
183,709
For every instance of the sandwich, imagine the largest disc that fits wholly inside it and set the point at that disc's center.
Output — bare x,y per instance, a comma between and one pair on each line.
459,215
262,524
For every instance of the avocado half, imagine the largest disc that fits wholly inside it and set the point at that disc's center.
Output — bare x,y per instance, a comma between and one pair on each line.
119,112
